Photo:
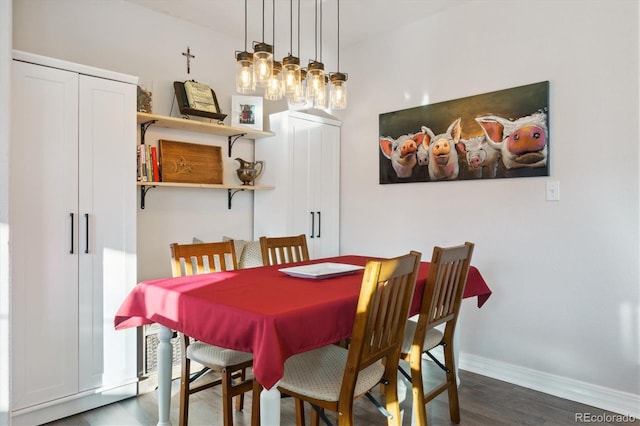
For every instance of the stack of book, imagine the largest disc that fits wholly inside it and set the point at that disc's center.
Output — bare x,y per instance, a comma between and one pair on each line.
148,166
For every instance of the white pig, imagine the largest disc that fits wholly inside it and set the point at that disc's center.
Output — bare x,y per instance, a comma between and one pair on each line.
402,152
443,157
523,142
481,155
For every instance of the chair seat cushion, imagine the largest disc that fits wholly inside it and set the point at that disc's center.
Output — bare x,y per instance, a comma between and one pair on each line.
431,339
318,374
216,357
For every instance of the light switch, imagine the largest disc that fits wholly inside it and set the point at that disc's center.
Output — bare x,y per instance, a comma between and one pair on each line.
553,191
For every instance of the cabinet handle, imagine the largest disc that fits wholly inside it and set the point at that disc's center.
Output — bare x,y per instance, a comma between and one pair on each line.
313,224
319,224
86,247
71,251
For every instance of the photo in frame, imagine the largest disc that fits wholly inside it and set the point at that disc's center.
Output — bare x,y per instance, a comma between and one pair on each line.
501,134
246,111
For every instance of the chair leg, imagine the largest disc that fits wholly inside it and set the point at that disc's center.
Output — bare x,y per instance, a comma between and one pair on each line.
227,398
419,404
184,391
300,421
240,398
452,383
391,398
255,403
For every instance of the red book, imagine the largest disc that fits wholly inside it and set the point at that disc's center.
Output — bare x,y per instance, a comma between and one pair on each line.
154,162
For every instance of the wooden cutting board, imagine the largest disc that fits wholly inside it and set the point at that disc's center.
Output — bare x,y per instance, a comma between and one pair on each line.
190,163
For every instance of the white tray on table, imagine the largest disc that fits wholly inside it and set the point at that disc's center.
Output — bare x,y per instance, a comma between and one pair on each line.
323,270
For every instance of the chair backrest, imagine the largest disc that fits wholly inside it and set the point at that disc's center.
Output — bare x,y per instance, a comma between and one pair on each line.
281,250
192,259
386,293
443,291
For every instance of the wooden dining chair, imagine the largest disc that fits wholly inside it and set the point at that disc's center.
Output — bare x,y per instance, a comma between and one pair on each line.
441,302
281,250
190,259
332,377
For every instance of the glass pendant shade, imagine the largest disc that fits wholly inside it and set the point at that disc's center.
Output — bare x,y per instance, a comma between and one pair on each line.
321,99
262,64
244,73
274,90
315,79
290,74
338,95
299,96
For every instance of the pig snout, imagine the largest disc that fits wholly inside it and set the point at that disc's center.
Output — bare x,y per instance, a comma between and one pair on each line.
407,148
475,162
527,139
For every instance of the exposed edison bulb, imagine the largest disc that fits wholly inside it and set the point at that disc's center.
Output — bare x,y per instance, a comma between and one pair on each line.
299,96
274,90
244,73
338,91
321,100
262,64
290,74
315,79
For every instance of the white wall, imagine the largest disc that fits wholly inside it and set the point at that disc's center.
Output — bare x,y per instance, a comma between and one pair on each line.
565,274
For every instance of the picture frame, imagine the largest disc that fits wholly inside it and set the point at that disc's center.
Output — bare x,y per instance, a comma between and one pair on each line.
500,134
246,111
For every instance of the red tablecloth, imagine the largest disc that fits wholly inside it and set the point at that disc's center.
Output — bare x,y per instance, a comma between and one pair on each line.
262,310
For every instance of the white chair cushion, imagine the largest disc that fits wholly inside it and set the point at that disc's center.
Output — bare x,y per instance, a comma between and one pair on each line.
215,356
431,339
318,374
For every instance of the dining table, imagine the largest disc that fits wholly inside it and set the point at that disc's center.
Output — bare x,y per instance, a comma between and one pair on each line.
273,312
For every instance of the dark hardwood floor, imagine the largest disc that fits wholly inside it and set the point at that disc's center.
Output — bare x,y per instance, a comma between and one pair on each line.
483,401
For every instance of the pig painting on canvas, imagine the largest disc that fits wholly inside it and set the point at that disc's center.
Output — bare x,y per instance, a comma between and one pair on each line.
402,152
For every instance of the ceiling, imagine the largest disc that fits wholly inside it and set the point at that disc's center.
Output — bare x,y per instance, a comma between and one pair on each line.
359,19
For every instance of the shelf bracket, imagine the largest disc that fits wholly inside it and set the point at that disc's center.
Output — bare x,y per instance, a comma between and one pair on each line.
231,193
143,129
232,140
143,193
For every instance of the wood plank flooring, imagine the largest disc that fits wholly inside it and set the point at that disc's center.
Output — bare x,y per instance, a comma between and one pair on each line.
483,401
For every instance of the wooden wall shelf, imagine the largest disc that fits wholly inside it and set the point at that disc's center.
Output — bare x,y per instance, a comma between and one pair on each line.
231,189
145,120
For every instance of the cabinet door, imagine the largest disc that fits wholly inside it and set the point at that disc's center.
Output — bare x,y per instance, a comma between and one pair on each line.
44,234
325,191
107,229
316,185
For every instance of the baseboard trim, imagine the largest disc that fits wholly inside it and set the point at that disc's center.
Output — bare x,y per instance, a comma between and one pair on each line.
78,403
574,390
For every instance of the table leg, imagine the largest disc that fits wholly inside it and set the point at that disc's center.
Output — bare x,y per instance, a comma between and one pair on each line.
270,406
165,358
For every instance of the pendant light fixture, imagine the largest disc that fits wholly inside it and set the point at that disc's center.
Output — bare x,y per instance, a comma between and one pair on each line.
315,69
311,86
338,91
262,59
244,64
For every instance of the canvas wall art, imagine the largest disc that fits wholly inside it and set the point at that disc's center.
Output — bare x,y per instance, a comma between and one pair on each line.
499,134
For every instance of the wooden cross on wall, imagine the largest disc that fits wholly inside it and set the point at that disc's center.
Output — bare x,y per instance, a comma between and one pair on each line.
189,56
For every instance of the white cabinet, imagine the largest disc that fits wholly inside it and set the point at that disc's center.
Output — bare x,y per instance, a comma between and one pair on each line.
302,162
73,237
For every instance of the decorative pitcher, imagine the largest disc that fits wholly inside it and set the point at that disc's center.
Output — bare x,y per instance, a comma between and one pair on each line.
249,171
